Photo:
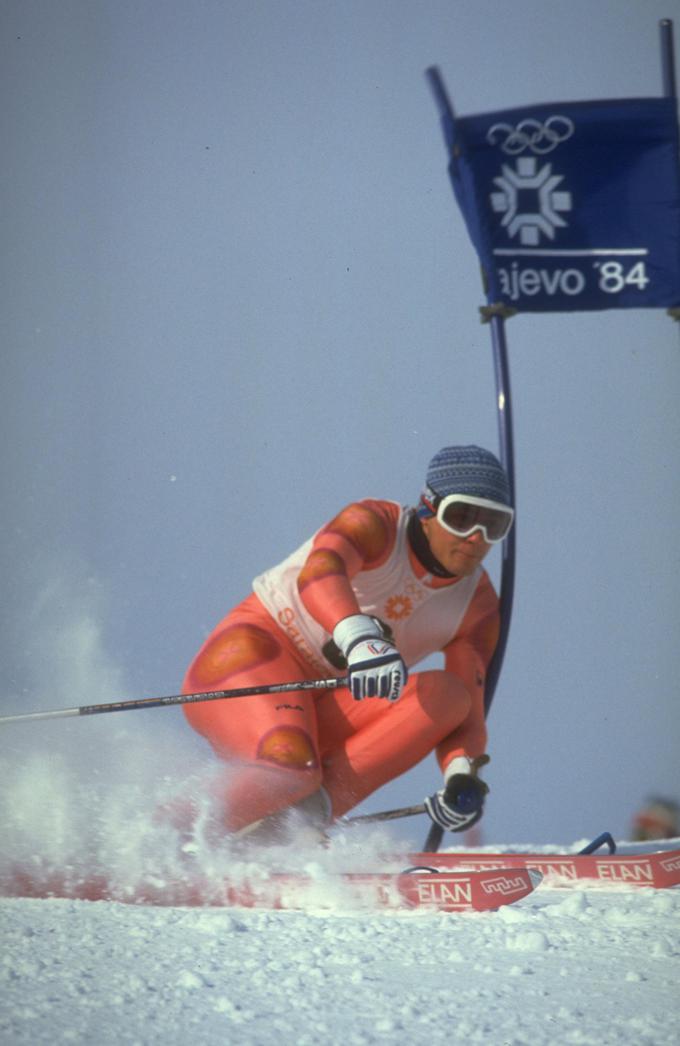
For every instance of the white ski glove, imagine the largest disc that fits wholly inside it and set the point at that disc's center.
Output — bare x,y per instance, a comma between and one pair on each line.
374,665
460,803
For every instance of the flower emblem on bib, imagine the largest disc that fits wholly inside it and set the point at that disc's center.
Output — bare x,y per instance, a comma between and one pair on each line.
398,607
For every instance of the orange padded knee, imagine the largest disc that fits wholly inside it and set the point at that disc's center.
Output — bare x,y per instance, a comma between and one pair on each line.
288,746
237,648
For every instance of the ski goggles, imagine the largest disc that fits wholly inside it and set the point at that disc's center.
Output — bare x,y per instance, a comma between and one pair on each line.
462,514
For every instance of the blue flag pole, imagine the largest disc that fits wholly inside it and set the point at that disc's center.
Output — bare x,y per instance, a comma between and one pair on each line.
669,85
667,58
507,455
496,318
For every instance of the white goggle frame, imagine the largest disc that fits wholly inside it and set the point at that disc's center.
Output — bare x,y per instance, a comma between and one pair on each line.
483,503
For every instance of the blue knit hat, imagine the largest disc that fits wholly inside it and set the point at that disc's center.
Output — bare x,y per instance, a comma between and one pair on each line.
468,470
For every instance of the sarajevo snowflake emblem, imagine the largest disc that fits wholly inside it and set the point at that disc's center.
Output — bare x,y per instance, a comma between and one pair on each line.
529,200
398,607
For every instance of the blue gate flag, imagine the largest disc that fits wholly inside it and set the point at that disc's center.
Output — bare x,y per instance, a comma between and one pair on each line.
572,205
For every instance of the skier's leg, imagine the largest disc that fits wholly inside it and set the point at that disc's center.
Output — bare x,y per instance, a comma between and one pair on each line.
365,744
268,741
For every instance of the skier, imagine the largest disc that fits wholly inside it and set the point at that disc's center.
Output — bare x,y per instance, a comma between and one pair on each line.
372,593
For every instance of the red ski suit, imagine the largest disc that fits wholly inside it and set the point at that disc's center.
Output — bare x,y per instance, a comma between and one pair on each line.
283,748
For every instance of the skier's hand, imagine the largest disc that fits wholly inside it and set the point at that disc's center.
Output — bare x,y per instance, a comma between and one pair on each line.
375,669
460,804
374,665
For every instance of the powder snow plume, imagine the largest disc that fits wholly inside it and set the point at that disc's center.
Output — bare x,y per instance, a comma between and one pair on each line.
107,795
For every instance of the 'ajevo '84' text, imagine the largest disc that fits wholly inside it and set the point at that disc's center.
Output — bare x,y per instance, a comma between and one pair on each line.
612,277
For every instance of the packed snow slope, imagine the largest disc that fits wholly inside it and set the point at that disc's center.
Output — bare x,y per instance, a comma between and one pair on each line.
576,965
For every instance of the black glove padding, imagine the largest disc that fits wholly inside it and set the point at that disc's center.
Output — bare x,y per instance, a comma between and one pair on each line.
460,804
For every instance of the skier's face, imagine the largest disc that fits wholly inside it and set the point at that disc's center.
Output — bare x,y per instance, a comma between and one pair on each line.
460,556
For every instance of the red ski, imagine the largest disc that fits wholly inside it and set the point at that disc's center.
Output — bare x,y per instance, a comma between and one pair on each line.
660,869
445,891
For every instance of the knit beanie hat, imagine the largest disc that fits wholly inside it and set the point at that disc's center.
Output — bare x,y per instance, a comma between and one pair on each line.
468,470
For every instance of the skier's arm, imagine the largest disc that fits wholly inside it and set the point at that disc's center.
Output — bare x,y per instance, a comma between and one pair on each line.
467,656
360,537
460,803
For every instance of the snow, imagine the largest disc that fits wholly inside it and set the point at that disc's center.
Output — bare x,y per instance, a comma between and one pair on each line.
578,965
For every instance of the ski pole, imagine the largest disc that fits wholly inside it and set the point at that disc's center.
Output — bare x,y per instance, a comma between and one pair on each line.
178,699
386,815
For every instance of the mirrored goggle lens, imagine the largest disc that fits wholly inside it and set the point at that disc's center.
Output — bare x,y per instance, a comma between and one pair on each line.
463,518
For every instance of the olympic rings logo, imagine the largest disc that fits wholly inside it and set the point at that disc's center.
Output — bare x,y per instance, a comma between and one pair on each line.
530,134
